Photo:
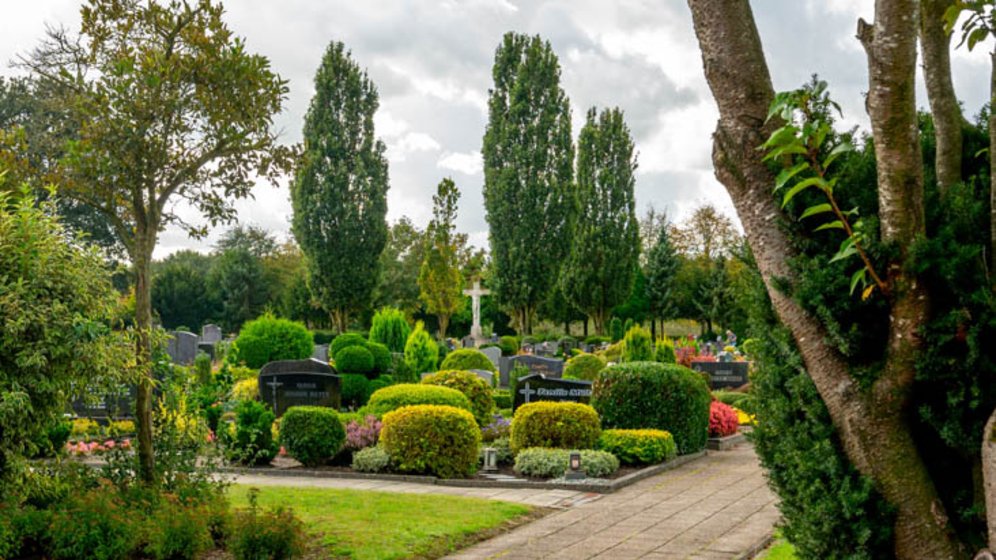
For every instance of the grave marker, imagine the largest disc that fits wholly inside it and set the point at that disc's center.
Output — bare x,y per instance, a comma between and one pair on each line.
537,387
182,347
287,383
724,374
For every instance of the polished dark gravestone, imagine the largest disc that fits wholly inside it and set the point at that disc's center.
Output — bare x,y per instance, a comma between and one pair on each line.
550,367
537,387
724,374
287,383
102,403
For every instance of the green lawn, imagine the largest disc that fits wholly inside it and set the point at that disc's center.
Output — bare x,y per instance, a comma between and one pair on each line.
780,549
381,525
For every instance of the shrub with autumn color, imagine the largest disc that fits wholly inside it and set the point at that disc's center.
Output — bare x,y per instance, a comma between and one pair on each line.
723,420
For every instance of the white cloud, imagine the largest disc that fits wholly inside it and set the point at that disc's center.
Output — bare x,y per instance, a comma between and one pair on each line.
468,164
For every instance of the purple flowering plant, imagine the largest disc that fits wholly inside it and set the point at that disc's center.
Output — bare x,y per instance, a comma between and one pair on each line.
360,436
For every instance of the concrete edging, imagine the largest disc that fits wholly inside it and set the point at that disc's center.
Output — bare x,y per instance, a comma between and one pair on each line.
606,487
725,443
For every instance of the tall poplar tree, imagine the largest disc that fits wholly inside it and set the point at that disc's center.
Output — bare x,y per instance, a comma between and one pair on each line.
440,281
528,173
340,192
598,273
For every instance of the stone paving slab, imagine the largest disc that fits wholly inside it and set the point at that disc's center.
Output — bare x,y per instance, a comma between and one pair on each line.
717,508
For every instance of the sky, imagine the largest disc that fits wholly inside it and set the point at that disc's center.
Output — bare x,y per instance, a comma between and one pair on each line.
431,61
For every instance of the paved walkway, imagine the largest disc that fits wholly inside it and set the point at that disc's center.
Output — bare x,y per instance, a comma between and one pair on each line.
718,507
543,498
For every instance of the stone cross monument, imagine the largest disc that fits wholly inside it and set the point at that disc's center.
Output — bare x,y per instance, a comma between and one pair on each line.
475,297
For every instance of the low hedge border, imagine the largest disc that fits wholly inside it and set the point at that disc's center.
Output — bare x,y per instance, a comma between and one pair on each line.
605,487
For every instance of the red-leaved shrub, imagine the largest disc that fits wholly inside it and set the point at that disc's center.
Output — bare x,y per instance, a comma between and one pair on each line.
722,420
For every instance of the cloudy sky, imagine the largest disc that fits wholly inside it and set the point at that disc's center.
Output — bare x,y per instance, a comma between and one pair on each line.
431,61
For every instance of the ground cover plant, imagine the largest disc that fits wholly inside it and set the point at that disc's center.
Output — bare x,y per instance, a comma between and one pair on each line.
364,525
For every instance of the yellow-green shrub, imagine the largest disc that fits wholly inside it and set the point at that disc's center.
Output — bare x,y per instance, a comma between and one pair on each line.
564,425
408,394
639,447
584,366
432,439
246,390
477,391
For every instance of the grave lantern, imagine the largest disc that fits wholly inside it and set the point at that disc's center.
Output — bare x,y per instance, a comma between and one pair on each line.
490,459
574,471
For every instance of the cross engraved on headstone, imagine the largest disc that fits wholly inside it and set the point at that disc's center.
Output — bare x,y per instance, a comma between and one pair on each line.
475,298
526,391
273,385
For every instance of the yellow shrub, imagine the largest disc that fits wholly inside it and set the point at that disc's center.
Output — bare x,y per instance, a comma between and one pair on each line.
743,418
246,390
85,427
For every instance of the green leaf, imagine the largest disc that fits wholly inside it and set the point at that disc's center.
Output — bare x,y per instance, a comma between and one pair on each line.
801,186
858,277
976,36
788,173
818,209
837,151
782,136
847,249
836,224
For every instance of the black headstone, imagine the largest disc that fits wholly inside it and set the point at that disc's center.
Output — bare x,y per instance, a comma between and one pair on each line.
532,388
550,367
288,383
724,374
118,403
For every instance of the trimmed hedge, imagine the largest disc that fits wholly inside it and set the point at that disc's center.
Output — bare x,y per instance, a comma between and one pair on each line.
477,391
555,424
584,366
267,339
509,345
467,358
346,340
433,439
553,463
409,394
382,359
354,359
311,434
356,390
653,395
639,447
502,398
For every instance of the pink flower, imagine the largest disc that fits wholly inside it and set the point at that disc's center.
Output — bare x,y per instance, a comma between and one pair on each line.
283,452
109,444
126,444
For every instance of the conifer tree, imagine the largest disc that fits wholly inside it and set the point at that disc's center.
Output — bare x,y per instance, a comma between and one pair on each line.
528,172
440,281
339,194
662,267
599,271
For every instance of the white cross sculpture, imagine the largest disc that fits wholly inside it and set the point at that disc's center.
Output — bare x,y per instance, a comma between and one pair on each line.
475,297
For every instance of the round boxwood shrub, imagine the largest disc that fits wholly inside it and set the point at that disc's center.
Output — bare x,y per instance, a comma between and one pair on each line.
311,434
653,395
509,345
346,340
541,462
356,390
354,359
564,425
467,358
380,382
432,439
638,447
407,394
381,357
267,339
477,391
584,366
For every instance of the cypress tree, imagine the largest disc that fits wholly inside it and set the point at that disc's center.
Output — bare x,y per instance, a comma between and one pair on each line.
528,171
599,271
339,194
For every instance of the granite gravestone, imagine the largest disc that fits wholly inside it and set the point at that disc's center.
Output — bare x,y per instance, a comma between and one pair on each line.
210,334
550,367
493,353
118,403
287,383
724,374
468,342
182,347
207,348
538,387
320,352
484,374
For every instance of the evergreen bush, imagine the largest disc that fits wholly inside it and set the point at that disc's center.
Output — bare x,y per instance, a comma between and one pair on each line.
390,328
268,339
584,366
421,352
382,359
477,391
432,439
542,462
311,434
564,425
667,397
346,340
616,331
467,358
252,443
637,345
405,394
356,390
354,359
664,351
509,345
638,447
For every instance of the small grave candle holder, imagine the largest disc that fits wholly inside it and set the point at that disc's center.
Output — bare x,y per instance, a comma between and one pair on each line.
490,459
574,471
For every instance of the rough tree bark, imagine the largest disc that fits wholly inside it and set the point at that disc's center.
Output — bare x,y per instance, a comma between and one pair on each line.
935,44
141,255
869,422
992,166
989,476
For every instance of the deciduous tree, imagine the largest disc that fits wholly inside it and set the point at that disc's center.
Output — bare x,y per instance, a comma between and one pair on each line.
339,193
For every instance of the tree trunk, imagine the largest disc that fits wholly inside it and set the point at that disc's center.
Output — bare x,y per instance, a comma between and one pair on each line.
935,44
340,318
585,327
992,167
444,323
870,423
142,260
653,329
989,476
